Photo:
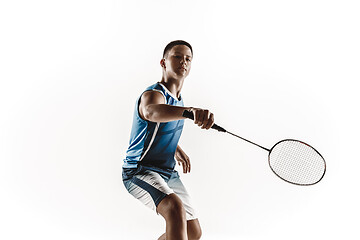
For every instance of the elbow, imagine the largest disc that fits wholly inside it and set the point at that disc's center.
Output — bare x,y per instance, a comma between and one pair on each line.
148,114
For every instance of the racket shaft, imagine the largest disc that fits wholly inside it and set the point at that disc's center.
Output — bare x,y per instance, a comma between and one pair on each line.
190,115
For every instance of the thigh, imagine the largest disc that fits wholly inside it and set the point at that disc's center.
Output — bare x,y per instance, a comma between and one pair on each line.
148,187
179,189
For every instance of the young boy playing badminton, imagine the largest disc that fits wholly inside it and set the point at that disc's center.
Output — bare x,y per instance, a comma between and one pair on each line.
148,170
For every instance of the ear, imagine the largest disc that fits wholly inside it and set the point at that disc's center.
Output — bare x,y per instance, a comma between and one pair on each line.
162,63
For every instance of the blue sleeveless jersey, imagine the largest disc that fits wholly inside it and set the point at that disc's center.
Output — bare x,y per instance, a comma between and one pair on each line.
153,144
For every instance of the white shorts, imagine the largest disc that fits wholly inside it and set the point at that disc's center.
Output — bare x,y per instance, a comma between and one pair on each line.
150,185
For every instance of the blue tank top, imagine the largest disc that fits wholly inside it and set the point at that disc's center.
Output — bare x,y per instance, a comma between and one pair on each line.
154,144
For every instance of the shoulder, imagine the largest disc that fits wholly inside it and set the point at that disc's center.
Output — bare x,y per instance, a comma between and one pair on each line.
153,94
156,86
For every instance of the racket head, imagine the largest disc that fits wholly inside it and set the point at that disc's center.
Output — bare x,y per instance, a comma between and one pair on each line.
297,162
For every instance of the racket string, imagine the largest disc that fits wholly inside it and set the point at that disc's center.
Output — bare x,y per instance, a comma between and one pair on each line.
296,162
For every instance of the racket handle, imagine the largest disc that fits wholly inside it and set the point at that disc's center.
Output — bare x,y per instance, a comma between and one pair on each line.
190,115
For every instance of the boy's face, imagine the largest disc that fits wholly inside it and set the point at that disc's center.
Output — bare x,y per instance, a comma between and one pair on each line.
177,62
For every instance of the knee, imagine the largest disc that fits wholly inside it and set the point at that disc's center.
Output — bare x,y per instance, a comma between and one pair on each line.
194,232
172,208
176,209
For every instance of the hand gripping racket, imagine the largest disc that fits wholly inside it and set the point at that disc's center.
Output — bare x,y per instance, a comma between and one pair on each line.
291,160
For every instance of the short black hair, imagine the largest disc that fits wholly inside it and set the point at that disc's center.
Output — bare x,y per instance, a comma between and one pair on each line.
175,43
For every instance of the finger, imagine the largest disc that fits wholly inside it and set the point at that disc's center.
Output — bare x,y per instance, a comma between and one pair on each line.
177,157
199,117
206,123
184,167
183,163
211,121
205,118
202,118
196,116
187,162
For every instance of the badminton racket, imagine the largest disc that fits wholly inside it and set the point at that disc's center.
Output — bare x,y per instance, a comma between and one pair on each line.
291,160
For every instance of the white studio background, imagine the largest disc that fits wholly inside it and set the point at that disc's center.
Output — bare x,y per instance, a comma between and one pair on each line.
71,71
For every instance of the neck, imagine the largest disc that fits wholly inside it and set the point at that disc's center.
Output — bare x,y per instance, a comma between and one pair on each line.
173,85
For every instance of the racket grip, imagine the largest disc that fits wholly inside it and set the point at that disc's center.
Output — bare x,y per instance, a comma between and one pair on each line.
190,115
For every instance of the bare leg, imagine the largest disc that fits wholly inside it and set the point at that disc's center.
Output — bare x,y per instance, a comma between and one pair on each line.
162,237
193,230
172,209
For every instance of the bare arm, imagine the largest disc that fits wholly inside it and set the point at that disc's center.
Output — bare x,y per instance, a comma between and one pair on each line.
153,108
183,159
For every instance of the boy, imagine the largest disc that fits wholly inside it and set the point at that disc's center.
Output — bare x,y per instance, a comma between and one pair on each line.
148,170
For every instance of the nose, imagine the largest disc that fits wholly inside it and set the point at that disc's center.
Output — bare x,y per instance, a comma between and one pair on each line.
183,60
